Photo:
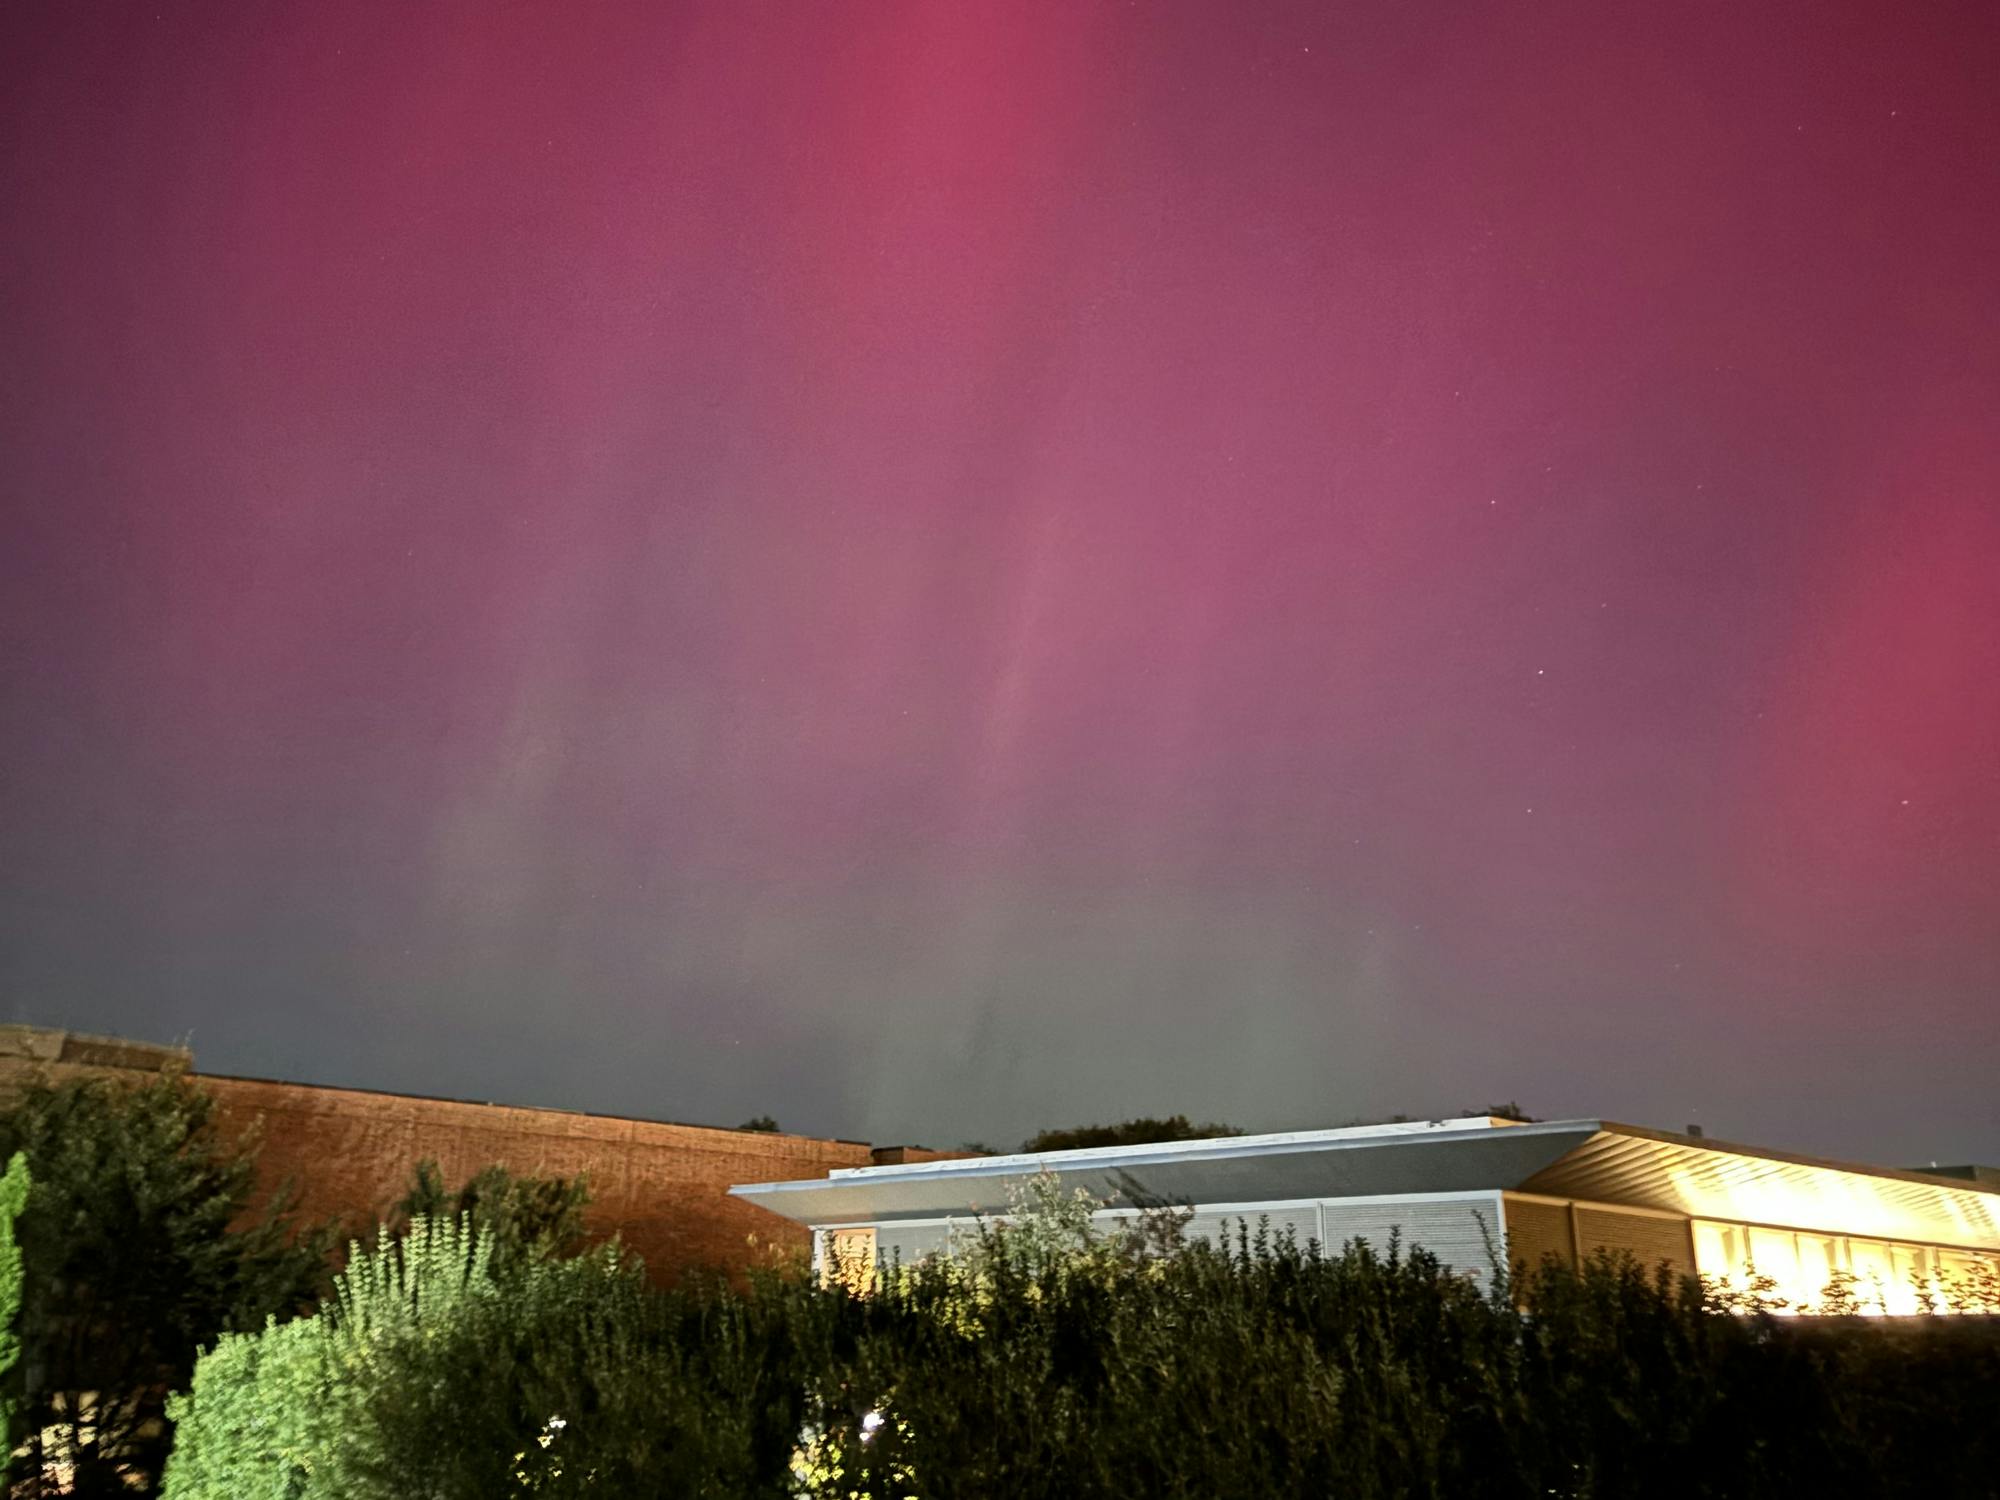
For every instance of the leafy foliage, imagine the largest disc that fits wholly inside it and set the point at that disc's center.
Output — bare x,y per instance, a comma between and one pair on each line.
521,1218
760,1123
1139,1132
428,1374
1976,1290
281,1412
1049,1358
142,1238
13,1198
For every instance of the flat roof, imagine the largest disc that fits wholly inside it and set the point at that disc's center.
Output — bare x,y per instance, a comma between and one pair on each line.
1228,1145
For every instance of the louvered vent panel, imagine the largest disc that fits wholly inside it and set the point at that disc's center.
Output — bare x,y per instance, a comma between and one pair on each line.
1536,1231
1649,1240
909,1243
1214,1228
1457,1232
1302,1223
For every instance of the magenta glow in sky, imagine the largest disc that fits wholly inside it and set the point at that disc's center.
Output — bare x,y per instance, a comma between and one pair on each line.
933,570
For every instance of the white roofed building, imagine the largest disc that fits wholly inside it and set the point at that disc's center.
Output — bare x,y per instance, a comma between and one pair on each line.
1467,1190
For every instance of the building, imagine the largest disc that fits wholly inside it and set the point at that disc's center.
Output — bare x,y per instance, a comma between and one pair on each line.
350,1152
1468,1191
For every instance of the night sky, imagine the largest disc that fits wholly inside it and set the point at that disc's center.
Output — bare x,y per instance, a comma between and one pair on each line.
939,569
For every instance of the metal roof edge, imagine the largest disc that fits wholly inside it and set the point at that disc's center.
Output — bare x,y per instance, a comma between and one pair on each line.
1166,1152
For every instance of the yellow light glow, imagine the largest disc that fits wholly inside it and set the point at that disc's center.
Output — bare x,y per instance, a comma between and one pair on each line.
1713,1185
1790,1271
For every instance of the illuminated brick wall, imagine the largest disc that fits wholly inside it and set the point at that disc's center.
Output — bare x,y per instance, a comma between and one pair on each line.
664,1188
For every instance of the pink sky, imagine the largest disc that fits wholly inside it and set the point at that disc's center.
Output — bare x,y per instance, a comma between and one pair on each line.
938,570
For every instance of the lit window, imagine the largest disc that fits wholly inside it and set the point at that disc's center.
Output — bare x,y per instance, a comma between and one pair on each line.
1916,1275
1718,1250
1775,1254
850,1259
1874,1274
1820,1255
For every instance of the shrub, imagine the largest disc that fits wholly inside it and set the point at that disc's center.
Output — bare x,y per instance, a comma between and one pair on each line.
518,1216
13,1198
426,1373
143,1236
1049,1360
286,1413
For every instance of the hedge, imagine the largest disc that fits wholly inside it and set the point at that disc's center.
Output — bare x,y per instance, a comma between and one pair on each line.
1257,1370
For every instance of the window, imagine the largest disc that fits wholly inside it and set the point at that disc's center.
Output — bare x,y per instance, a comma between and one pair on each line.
1775,1253
849,1258
1915,1272
1719,1250
1820,1255
1874,1273
1969,1282
1891,1277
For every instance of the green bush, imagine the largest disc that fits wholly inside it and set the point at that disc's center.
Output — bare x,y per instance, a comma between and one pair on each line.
1051,1361
284,1413
13,1198
428,1372
143,1236
518,1216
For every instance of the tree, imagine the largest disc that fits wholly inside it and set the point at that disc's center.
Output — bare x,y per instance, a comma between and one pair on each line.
143,1237
1140,1132
13,1198
520,1218
761,1123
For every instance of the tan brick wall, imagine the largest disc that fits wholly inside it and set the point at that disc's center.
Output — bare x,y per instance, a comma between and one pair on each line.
1536,1231
1647,1238
663,1188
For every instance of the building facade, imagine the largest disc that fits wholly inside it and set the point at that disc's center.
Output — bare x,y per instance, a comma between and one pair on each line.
1476,1193
663,1188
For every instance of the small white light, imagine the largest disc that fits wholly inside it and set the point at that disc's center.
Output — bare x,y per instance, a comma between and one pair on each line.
871,1423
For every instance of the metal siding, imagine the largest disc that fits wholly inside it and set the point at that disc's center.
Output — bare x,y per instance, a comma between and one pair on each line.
1221,1172
909,1243
1303,1223
1450,1229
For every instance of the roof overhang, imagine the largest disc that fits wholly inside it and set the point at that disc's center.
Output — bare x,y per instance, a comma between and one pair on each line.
1742,1184
1435,1157
1595,1160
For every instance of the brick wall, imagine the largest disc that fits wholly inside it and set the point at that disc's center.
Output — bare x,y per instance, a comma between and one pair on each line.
664,1188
